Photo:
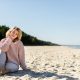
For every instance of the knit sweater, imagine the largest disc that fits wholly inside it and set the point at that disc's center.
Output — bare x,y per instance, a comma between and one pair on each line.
15,51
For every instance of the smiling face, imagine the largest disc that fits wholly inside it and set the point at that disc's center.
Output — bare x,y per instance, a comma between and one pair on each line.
13,34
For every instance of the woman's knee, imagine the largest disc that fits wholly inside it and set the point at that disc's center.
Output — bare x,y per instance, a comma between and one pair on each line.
11,67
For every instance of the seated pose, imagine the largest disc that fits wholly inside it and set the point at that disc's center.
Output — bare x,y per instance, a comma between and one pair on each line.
12,52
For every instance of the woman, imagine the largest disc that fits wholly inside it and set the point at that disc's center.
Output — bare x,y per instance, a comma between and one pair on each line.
12,52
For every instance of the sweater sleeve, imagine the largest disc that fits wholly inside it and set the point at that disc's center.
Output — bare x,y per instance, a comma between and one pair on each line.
22,56
4,44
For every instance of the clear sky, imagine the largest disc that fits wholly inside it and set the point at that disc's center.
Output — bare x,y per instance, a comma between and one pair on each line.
57,21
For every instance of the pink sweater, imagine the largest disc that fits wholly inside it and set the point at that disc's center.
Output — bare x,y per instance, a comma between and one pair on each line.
14,50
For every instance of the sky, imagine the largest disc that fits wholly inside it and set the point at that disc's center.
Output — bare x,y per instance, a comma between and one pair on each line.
57,21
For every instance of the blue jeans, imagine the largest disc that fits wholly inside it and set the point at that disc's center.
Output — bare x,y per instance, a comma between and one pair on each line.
9,66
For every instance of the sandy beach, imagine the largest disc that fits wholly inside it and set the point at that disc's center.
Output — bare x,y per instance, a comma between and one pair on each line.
49,63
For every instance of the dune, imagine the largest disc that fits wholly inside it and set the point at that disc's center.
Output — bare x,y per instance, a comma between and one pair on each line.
48,63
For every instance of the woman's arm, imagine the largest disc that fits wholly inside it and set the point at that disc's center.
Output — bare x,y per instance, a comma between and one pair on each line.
22,56
4,44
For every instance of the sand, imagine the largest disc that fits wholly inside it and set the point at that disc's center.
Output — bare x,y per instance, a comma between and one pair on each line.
48,63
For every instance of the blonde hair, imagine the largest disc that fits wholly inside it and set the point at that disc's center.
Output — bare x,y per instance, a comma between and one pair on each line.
19,36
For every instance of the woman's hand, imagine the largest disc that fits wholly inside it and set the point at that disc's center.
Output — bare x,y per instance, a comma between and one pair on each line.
10,37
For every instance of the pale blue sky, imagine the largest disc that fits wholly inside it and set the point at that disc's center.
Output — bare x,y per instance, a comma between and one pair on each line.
57,21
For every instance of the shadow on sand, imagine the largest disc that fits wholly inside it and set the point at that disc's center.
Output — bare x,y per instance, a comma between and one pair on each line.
39,74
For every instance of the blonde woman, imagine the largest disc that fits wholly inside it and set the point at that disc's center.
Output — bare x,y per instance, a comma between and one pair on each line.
12,52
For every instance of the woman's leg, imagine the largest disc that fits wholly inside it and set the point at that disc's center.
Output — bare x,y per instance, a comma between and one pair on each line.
2,60
11,67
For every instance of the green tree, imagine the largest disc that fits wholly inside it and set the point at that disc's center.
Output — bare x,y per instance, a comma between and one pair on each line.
26,38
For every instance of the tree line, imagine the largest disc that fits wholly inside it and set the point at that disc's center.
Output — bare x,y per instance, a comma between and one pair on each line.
26,38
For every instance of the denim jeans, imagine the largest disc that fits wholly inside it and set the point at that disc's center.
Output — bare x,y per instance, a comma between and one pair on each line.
9,66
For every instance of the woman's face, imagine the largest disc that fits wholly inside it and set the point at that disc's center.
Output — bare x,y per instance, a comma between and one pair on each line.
14,34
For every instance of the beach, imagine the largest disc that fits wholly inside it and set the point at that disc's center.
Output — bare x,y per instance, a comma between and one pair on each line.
48,63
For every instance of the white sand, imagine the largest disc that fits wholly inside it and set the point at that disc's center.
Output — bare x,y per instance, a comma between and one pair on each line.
49,63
